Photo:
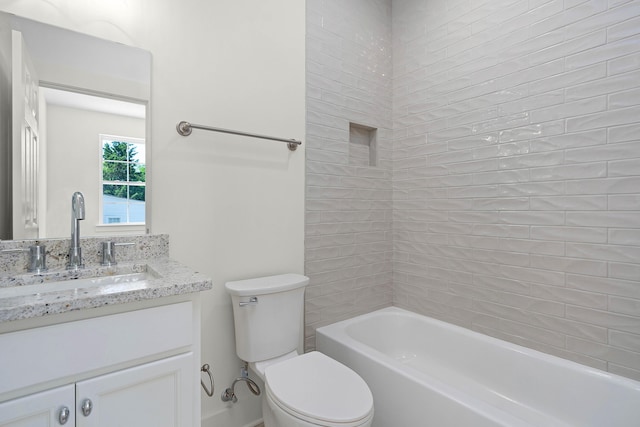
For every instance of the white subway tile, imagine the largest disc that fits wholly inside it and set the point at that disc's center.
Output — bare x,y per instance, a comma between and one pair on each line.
624,305
612,354
574,14
606,119
474,191
628,98
626,202
481,217
573,328
614,3
624,371
538,335
473,241
501,204
624,133
533,275
504,122
540,9
570,296
627,28
605,319
570,234
568,47
624,340
532,131
501,177
327,168
603,152
603,53
569,172
544,247
570,265
569,203
513,149
570,109
624,64
570,140
605,19
501,230
533,102
502,13
532,189
604,86
627,236
625,167
616,253
603,186
568,78
603,219
532,217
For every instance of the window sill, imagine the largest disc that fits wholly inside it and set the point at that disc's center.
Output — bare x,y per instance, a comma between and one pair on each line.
120,229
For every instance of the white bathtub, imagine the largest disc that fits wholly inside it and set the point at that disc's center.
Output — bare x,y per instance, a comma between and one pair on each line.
424,372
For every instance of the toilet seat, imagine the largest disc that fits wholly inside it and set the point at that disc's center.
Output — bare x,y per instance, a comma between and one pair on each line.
319,390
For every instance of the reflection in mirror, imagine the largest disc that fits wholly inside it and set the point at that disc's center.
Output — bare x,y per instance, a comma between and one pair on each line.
77,108
95,146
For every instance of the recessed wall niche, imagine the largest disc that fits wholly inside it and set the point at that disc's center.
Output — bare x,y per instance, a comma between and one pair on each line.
362,145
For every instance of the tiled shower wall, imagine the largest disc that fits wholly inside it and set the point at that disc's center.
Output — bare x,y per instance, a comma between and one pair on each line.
348,242
516,178
516,169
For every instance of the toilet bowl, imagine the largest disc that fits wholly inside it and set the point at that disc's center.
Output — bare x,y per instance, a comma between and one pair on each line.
314,390
307,390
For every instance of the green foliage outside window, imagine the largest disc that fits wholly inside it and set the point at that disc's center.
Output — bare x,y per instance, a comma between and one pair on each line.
121,168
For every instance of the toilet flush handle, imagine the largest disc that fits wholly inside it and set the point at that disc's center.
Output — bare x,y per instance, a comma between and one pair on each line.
252,301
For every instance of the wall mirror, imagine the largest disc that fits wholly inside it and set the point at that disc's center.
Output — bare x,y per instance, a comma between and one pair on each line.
75,117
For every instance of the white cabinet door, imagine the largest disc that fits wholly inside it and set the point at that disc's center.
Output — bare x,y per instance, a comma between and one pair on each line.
48,408
157,394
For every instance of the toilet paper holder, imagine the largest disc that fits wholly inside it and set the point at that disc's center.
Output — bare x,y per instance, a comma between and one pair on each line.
205,368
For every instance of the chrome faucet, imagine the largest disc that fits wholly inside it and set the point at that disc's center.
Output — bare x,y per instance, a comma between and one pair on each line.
77,214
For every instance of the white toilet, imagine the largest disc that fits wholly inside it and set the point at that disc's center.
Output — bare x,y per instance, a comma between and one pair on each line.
301,390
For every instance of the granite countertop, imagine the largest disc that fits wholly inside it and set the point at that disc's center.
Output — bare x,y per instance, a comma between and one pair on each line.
166,277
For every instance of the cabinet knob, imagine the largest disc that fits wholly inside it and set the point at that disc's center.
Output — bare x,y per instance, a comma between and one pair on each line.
63,416
87,406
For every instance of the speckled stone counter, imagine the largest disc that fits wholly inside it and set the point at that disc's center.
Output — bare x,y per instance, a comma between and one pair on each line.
138,248
166,277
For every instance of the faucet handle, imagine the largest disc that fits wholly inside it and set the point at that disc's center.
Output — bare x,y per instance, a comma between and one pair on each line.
11,251
37,257
109,252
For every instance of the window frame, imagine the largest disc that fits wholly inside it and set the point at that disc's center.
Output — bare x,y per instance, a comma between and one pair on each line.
102,138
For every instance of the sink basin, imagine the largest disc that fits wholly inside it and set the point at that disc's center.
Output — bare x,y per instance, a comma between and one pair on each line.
107,284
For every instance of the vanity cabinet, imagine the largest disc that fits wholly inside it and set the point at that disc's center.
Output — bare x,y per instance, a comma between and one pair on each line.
48,408
152,394
131,369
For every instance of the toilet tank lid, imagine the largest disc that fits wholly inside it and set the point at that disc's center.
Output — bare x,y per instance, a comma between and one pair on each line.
266,285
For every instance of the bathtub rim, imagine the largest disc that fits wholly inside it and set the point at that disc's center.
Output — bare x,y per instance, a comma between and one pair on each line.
338,330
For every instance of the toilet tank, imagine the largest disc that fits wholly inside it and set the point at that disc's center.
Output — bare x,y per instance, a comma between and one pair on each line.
268,315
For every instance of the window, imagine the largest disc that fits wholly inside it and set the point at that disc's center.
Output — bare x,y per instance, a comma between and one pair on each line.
123,180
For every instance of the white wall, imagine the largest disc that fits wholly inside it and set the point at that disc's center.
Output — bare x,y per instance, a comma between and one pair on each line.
234,207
